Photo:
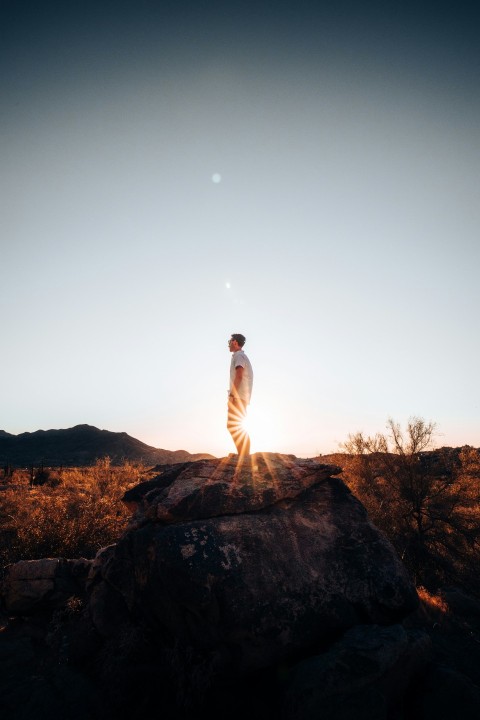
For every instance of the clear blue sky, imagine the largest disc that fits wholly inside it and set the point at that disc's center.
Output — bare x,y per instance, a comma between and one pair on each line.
304,173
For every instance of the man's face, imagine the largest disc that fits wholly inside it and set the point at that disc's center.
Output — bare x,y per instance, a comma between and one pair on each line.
233,345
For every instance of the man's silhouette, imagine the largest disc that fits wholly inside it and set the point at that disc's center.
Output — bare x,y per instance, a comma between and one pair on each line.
241,381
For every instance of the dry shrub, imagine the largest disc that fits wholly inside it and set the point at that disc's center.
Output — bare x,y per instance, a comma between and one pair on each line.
427,503
78,511
431,602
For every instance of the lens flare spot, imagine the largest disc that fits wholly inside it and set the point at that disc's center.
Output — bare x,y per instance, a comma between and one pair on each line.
216,178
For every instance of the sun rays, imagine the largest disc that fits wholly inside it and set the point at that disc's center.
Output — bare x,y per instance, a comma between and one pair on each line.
263,428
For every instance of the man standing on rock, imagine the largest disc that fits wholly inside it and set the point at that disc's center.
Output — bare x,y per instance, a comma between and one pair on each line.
241,381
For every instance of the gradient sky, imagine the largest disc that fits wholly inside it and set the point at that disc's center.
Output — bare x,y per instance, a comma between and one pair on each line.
304,173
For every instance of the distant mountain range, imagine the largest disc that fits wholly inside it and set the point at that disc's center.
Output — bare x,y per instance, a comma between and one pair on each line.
83,445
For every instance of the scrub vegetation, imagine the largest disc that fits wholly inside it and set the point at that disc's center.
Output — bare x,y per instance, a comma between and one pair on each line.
68,512
426,502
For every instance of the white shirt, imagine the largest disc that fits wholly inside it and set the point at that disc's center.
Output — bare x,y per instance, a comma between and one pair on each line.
239,359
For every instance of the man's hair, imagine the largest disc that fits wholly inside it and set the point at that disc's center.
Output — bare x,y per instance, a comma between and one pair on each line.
239,338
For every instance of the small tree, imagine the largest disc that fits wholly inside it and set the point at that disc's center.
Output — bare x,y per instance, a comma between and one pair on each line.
426,503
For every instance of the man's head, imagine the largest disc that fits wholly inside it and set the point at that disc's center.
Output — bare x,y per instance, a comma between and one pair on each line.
236,342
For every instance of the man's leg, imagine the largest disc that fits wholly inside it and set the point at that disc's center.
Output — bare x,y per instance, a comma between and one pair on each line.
244,437
236,415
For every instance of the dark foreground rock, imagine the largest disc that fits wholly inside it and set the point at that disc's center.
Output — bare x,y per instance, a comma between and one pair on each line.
290,562
363,676
33,585
259,590
445,694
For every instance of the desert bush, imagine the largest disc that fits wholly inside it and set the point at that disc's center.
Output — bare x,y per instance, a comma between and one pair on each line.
427,503
41,476
75,513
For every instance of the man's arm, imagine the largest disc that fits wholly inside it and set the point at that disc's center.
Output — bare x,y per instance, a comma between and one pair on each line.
237,381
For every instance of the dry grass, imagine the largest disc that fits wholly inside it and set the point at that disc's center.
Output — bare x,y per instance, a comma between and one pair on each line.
75,513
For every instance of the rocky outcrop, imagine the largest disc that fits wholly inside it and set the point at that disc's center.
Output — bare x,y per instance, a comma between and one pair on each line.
30,586
195,491
258,589
249,565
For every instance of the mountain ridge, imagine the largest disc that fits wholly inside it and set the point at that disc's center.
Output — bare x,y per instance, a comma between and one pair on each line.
82,445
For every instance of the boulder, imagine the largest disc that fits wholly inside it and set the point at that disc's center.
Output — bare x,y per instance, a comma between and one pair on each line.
363,676
445,694
30,586
248,564
194,491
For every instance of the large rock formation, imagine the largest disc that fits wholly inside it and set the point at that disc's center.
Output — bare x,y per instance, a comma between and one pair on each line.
248,565
228,573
